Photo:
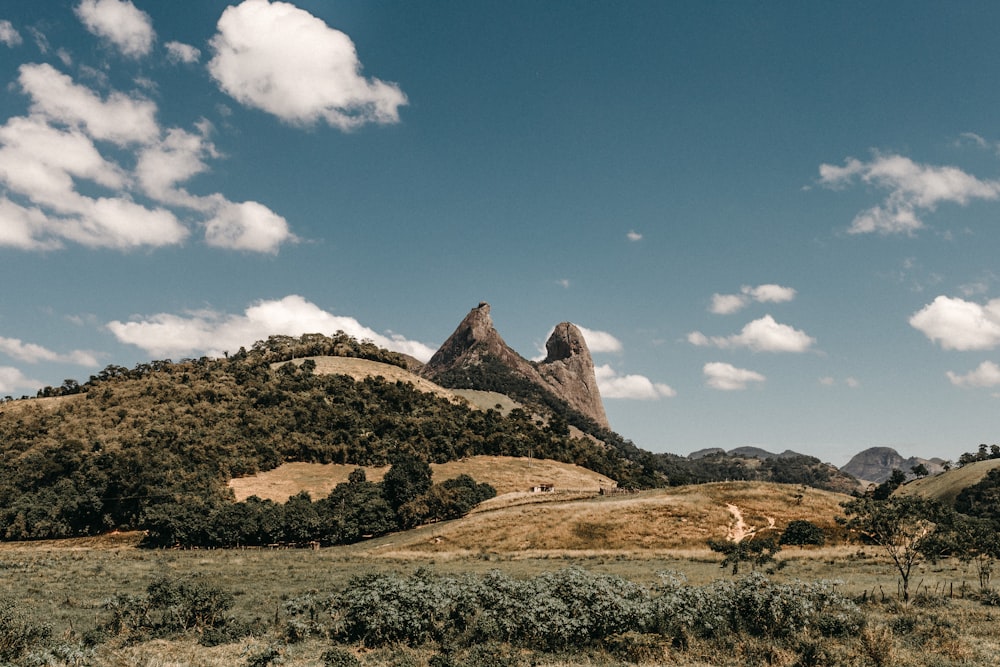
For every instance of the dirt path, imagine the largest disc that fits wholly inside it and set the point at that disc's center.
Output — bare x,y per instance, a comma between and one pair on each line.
739,530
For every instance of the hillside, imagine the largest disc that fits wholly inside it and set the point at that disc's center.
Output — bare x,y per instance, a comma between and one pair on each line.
662,519
164,439
506,474
947,485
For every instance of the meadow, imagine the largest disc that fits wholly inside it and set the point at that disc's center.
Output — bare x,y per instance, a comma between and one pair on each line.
286,605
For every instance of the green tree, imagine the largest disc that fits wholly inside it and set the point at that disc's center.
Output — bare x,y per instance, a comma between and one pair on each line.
757,552
903,526
801,532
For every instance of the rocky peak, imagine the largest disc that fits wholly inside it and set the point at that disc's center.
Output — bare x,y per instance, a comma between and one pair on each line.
567,371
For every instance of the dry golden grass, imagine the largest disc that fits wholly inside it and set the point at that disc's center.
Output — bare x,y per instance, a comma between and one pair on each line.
660,521
946,486
506,474
49,403
359,369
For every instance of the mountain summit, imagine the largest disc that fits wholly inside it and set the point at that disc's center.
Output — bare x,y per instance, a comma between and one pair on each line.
476,357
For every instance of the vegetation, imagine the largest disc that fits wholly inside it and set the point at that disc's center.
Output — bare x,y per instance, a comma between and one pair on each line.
155,447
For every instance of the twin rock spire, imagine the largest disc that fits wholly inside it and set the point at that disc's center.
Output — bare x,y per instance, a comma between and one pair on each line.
567,371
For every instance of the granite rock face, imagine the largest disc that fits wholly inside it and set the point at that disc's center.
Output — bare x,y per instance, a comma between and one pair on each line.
567,372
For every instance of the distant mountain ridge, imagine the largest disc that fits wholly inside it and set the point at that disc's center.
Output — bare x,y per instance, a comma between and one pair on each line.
745,451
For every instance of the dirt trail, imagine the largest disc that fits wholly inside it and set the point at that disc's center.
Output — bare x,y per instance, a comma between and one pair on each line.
740,530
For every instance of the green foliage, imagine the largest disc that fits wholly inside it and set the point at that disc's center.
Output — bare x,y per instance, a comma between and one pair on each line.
885,489
802,532
17,632
903,526
154,447
981,499
338,657
757,551
170,606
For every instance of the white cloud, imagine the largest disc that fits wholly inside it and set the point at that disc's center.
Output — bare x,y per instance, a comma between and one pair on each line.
212,333
178,52
45,154
120,119
247,226
633,236
20,227
40,162
12,378
727,377
829,381
599,342
958,324
9,35
726,304
165,163
283,60
32,353
761,335
564,283
120,223
636,387
912,188
987,374
119,22
769,293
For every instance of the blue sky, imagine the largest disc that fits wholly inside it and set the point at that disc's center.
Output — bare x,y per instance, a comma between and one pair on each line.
776,222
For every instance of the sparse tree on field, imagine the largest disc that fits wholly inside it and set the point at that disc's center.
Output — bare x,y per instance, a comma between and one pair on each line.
904,526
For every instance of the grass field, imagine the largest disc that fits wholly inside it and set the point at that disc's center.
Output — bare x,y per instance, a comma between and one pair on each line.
637,537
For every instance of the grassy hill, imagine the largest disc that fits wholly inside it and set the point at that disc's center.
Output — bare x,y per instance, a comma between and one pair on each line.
506,474
947,485
680,518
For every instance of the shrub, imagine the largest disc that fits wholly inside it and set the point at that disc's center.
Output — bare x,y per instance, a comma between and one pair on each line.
17,633
338,657
802,532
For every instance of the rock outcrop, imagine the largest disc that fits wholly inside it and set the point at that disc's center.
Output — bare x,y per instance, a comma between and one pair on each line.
876,464
475,348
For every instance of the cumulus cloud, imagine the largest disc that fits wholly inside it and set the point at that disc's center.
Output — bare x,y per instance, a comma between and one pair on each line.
958,324
32,353
212,333
912,189
633,236
987,374
599,341
12,379
178,52
9,35
247,226
727,377
726,304
119,22
285,61
636,387
761,335
120,118
44,156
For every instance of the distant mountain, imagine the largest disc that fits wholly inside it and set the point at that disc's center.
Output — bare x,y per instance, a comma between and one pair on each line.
744,452
876,464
